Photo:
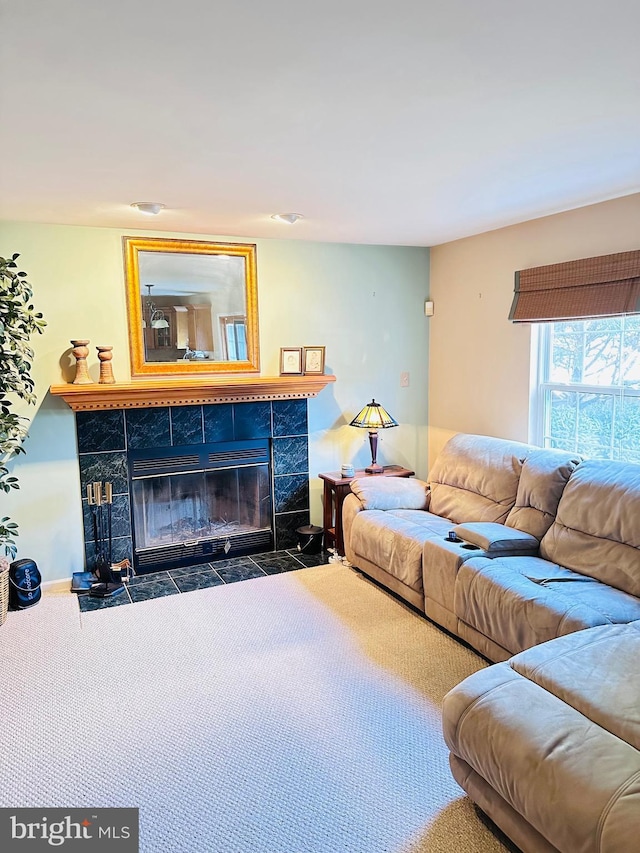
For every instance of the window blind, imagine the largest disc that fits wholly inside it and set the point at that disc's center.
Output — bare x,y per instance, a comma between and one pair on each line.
590,287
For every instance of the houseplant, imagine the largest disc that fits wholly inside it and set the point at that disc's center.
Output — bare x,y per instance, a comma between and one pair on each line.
18,322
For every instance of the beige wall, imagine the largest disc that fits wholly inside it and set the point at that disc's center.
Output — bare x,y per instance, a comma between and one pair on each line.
364,303
480,362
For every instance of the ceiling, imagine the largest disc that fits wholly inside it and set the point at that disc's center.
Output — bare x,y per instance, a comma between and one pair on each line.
409,123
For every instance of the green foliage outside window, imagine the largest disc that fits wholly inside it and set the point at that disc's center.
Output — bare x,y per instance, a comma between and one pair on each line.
592,392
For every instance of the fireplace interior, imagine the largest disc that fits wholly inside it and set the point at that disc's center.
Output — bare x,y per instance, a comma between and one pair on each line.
200,502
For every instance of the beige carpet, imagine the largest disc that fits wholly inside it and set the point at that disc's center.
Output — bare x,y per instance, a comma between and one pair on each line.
297,713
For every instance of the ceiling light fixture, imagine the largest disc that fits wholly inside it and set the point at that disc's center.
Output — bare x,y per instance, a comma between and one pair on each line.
289,218
151,208
157,320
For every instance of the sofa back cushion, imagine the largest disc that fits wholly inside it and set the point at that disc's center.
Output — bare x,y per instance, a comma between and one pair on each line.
597,528
475,478
544,475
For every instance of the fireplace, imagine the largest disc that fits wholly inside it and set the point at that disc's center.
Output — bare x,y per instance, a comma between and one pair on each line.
182,438
196,503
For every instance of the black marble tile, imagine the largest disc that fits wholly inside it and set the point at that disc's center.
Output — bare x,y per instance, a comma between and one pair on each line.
137,580
290,417
186,425
310,560
277,565
121,549
99,431
291,492
89,602
198,580
241,571
269,555
153,589
189,570
252,420
148,428
232,562
120,518
218,422
290,455
286,526
105,468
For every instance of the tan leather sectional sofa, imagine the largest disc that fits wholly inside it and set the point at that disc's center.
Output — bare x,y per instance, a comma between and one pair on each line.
544,578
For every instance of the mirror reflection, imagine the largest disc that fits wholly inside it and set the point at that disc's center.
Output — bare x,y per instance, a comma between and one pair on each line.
192,306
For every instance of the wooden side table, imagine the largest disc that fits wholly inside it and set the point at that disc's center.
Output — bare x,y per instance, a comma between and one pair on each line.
336,488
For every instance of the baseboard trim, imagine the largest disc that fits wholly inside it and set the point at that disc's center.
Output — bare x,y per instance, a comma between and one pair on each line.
59,585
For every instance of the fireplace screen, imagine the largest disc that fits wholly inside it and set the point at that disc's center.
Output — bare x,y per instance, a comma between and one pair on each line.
181,507
181,515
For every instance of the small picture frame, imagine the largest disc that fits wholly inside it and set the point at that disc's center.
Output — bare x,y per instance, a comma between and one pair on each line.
290,361
313,360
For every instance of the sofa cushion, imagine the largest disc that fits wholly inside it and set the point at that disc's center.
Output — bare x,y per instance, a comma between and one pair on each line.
519,602
393,541
475,478
391,493
544,475
554,732
567,669
597,528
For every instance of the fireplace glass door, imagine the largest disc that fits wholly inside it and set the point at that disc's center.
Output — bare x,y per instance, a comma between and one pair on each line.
183,516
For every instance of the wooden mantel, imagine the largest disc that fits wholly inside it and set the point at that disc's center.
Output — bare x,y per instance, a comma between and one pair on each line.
144,393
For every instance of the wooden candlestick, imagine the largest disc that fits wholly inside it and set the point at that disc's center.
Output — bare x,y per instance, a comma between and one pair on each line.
106,371
80,352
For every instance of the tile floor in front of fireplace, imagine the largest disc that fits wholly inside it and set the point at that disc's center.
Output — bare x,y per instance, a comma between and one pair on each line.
173,581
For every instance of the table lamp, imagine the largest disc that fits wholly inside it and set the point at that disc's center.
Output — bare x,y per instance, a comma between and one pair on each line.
373,417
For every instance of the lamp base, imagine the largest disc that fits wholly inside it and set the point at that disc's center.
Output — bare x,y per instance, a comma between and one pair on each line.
374,468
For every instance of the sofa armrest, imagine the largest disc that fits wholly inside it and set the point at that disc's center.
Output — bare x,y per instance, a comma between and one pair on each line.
388,493
497,540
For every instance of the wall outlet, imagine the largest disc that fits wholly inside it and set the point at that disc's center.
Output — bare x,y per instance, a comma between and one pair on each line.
404,380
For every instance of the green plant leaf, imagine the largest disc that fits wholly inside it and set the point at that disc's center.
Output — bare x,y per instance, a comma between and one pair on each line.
18,322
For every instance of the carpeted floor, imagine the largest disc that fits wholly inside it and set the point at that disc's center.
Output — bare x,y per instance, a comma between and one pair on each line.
297,713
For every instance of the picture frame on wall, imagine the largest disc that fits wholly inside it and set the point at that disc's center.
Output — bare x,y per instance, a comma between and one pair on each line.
290,361
313,360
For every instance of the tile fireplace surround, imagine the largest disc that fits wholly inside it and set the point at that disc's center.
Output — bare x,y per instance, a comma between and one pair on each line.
105,436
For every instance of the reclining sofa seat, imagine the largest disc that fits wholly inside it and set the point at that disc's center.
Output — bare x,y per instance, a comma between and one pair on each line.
506,492
386,522
548,743
587,572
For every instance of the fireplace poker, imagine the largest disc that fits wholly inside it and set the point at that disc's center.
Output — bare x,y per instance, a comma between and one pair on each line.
91,500
108,488
101,562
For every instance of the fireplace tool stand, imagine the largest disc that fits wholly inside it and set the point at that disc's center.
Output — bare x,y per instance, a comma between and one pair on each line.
109,576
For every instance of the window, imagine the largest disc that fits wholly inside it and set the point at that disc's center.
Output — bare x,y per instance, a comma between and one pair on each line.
588,393
234,338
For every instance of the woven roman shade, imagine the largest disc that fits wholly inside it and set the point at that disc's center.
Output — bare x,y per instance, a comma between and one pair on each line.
590,287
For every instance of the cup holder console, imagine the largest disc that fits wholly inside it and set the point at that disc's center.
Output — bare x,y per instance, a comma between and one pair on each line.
452,537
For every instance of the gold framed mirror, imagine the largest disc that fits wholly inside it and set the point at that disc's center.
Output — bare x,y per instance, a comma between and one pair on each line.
192,307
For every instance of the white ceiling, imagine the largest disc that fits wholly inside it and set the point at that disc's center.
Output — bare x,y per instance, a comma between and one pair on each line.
398,123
